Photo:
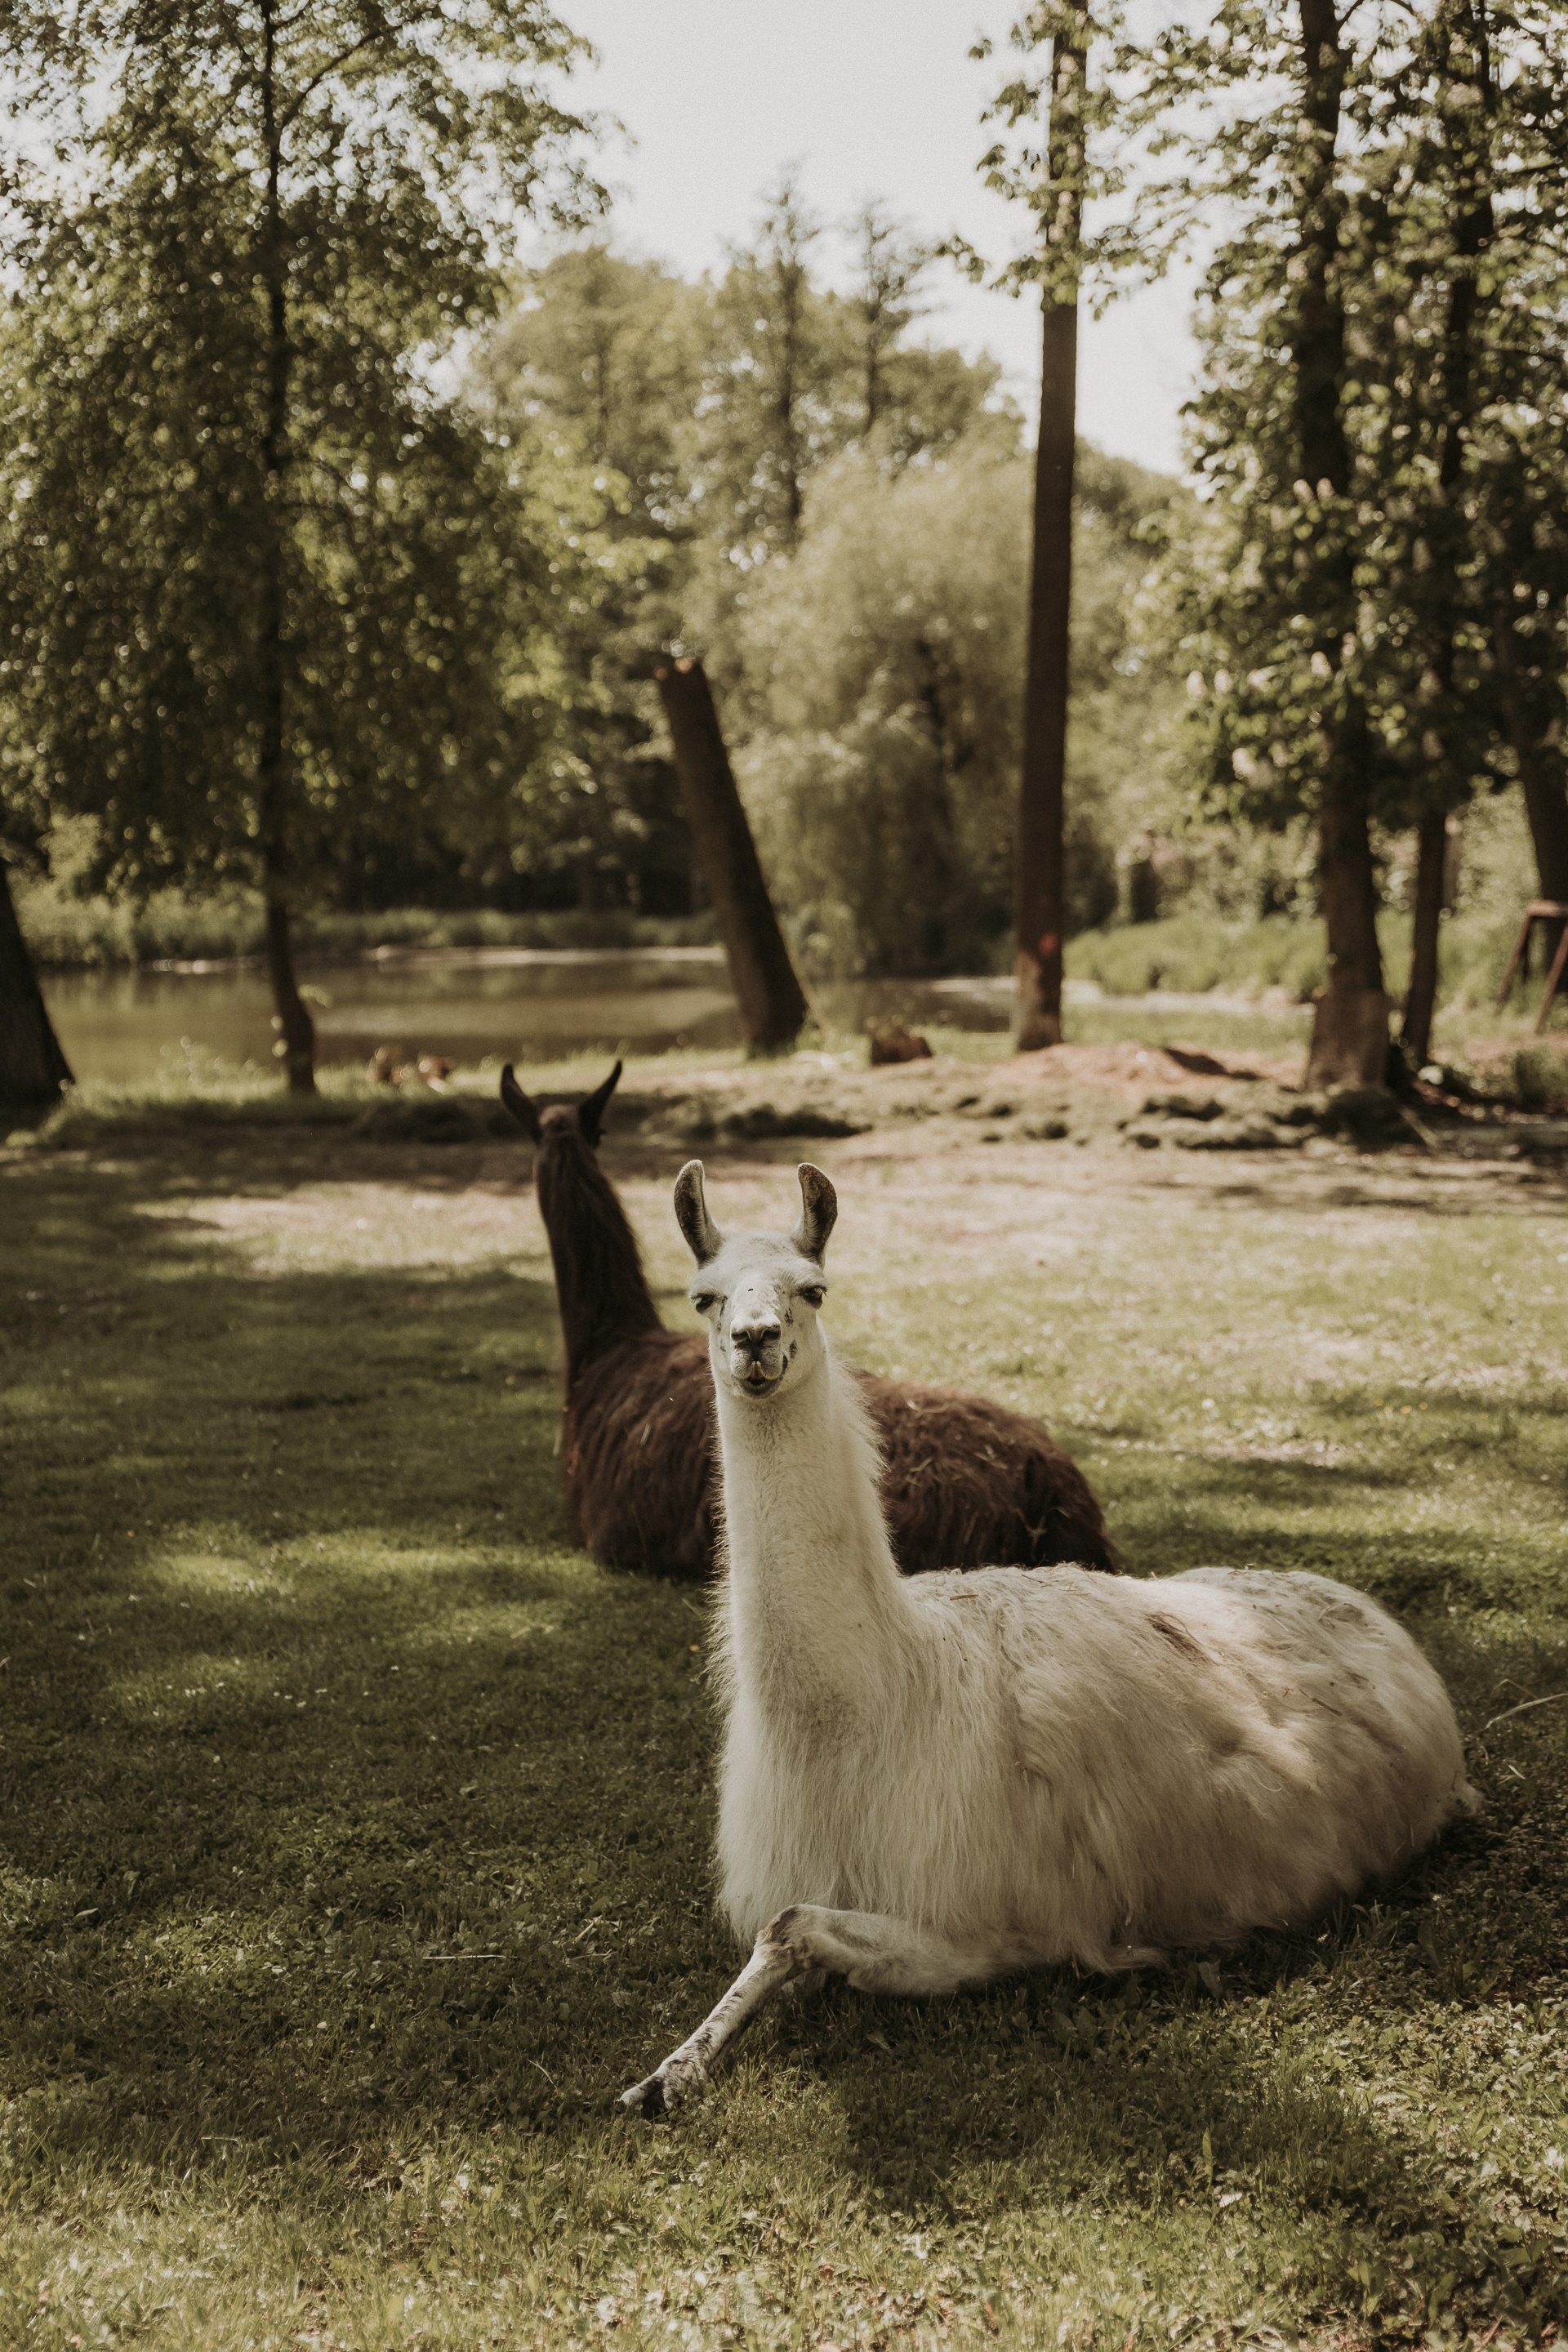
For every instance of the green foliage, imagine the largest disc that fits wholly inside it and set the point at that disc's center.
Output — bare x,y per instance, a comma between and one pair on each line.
883,776
797,375
1371,600
1381,577
603,359
265,583
607,355
66,930
1446,521
1192,952
702,412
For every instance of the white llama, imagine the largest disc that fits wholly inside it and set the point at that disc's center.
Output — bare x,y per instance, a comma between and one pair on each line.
928,1781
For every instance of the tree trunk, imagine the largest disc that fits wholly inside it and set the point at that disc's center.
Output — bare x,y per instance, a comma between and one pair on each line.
1540,776
772,1001
291,1014
1448,531
1038,910
1431,891
1350,1025
32,1067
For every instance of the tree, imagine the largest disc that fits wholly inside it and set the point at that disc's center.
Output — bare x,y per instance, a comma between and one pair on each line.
1039,911
1350,1029
661,390
883,303
1053,180
609,352
1443,228
1456,343
775,382
772,1001
1284,669
889,655
604,357
1341,147
1354,644
33,1068
263,573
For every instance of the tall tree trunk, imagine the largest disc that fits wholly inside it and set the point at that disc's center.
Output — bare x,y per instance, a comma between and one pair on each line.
929,832
1431,877
1540,775
772,1004
1350,1027
1350,1020
293,1017
33,1069
1474,231
1038,908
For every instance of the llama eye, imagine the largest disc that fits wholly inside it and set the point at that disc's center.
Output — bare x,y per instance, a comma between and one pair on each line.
814,1293
704,1304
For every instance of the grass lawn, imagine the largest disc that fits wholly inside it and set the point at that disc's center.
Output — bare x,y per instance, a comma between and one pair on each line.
355,1827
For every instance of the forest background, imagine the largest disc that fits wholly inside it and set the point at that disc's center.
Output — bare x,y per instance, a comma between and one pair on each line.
492,500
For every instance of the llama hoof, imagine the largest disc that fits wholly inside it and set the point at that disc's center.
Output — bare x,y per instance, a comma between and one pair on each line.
646,2098
661,2093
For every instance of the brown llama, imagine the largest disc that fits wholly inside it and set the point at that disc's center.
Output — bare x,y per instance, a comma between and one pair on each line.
965,1483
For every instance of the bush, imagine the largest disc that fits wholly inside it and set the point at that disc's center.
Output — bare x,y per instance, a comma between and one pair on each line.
64,930
1192,952
888,653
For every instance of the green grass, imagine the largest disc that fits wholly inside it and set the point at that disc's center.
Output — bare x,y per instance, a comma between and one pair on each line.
356,1827
67,931
1280,1030
1191,953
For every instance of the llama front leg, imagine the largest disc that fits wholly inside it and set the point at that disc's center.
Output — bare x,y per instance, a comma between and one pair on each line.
878,1954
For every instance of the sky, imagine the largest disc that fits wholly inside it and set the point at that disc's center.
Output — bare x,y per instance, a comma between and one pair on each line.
870,98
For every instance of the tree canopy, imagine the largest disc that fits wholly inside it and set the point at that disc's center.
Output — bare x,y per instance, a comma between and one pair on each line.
883,774
1372,609
264,573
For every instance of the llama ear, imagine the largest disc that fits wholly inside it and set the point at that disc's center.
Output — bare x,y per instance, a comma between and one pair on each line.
518,1103
704,1238
819,1214
591,1110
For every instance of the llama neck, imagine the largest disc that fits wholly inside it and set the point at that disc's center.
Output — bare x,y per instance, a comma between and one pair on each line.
816,1610
599,1281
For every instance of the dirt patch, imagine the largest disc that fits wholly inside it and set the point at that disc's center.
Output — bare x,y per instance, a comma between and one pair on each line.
1130,1071
819,1095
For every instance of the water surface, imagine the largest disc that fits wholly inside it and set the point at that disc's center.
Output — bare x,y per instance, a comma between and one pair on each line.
519,1004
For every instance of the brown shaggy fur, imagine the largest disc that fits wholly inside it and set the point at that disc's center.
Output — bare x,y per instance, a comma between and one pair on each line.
966,1485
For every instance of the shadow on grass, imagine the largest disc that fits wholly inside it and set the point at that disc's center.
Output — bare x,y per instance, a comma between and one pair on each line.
1540,1193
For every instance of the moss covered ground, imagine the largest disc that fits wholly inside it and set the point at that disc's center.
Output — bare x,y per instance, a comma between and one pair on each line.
355,1826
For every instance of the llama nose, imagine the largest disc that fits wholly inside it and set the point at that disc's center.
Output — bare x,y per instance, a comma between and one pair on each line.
757,1334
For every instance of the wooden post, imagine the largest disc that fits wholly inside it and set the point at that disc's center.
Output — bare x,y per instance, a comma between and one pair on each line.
1553,916
1038,910
772,1004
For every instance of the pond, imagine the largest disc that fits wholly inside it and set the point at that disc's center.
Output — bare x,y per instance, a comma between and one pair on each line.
519,1004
